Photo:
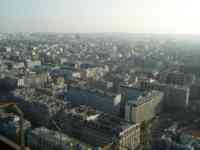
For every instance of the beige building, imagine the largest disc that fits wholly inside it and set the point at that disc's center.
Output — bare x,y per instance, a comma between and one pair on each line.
144,107
130,138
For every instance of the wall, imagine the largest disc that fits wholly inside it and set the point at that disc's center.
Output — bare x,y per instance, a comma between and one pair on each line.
99,101
176,97
145,111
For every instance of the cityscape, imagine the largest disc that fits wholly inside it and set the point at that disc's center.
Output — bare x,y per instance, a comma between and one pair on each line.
98,90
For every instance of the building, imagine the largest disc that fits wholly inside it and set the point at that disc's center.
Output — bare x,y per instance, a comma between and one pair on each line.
142,105
194,98
104,101
35,80
92,71
20,82
67,73
99,129
175,97
176,78
32,64
195,91
45,139
19,65
39,105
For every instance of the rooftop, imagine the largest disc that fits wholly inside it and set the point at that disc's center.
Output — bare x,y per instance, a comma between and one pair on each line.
93,90
137,96
101,122
54,136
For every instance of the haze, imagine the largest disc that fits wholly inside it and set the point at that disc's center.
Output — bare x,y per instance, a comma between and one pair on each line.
133,16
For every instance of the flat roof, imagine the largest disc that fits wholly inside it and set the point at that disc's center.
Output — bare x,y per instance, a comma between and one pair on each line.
133,93
137,96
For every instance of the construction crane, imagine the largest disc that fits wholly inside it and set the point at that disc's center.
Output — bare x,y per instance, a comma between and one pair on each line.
8,104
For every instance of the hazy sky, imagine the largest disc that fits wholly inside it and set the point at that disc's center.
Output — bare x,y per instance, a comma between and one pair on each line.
134,16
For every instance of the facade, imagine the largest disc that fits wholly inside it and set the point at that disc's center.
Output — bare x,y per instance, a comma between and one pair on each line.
104,101
19,65
45,139
20,82
174,96
99,129
194,102
195,91
142,106
176,78
67,73
35,80
32,64
38,105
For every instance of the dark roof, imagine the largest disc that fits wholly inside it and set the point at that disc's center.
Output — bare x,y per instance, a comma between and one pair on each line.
132,93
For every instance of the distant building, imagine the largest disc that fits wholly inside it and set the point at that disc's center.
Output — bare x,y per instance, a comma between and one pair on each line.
174,96
67,73
32,64
63,60
20,82
35,80
176,78
92,71
19,65
141,105
102,84
195,91
194,103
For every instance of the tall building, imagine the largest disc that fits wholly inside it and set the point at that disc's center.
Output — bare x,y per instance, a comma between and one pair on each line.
142,105
175,97
176,78
194,102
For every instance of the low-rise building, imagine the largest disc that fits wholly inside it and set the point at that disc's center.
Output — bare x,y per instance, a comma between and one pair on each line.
99,129
35,80
39,107
32,64
45,139
104,101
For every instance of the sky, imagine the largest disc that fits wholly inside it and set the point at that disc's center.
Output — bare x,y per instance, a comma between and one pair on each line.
132,16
